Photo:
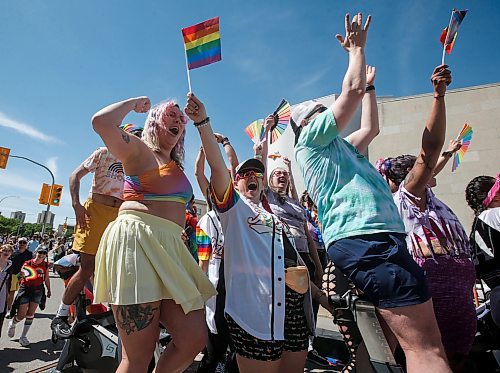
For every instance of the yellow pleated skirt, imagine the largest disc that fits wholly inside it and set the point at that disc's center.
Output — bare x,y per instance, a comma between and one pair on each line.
142,258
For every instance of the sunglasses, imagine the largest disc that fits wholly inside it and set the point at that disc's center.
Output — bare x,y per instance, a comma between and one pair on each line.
246,175
23,242
182,118
42,252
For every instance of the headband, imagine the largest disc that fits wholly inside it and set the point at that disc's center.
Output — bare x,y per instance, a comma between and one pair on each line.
493,192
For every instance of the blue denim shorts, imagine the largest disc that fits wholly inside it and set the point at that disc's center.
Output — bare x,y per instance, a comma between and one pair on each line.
381,266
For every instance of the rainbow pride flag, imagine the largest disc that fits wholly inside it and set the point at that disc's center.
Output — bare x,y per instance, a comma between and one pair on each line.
465,137
202,43
450,33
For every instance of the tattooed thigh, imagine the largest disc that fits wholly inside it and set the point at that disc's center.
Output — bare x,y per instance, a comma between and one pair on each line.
135,317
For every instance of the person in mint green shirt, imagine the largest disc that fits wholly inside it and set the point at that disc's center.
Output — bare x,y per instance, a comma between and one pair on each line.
361,225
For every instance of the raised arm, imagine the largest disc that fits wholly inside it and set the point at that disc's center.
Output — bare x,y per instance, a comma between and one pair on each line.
446,155
106,123
433,136
230,153
291,182
199,172
369,115
261,150
74,189
354,84
219,177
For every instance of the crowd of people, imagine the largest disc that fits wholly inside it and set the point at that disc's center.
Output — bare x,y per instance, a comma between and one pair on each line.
249,276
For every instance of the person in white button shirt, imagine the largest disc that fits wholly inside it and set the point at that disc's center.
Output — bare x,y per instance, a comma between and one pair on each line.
269,323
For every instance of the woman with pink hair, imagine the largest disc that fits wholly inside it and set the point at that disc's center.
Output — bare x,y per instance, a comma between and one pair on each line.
142,267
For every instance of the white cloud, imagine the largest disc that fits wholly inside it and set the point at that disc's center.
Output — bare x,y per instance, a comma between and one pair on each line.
16,182
26,129
52,165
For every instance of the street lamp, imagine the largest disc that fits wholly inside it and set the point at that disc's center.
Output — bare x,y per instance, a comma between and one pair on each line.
8,197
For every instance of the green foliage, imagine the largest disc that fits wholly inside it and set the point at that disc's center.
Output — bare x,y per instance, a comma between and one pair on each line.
13,226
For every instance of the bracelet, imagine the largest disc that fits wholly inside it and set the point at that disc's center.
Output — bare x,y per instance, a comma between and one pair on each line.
370,87
447,154
224,143
257,156
203,123
438,96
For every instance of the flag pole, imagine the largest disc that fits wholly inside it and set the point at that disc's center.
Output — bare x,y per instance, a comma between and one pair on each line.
447,32
187,70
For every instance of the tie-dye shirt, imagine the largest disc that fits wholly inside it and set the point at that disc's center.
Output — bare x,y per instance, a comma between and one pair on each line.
108,173
351,196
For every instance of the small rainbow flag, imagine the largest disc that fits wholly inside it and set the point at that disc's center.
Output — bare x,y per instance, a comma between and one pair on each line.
465,136
202,43
450,33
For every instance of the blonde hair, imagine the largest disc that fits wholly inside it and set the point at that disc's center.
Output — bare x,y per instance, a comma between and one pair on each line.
7,247
150,137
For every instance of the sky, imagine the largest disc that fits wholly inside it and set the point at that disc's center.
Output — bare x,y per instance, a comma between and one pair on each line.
62,61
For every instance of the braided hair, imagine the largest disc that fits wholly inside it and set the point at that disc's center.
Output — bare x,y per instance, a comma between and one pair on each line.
475,193
396,168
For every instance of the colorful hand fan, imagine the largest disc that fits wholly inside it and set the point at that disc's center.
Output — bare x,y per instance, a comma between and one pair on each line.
255,131
274,156
281,118
465,136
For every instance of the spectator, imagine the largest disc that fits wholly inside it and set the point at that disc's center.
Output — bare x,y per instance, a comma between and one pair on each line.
34,274
34,242
18,258
5,278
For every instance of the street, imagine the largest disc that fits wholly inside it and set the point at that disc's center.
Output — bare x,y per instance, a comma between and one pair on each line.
42,352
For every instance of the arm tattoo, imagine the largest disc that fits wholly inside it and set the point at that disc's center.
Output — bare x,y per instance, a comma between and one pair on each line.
410,177
126,137
135,317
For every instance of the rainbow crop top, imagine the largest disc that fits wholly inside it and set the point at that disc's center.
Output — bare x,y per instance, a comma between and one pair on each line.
165,183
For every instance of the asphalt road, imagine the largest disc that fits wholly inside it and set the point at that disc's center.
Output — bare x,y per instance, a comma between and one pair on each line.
42,352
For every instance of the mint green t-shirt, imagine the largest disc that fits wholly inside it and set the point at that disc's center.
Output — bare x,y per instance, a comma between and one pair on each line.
352,198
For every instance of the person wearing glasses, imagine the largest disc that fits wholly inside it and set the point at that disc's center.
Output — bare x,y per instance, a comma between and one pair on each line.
5,279
269,312
35,278
21,255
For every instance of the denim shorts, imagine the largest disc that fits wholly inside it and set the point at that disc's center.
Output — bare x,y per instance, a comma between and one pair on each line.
34,296
381,266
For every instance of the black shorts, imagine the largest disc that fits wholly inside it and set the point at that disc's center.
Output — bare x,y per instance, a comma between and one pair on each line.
296,333
381,266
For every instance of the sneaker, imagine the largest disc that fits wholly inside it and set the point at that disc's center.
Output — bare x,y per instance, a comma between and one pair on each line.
24,341
314,357
8,316
60,327
12,329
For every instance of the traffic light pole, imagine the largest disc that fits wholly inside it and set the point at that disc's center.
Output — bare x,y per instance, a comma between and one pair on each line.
53,182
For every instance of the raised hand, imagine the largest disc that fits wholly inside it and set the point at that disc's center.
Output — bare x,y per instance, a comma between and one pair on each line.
454,146
370,75
441,77
142,104
355,33
268,123
194,108
287,163
219,137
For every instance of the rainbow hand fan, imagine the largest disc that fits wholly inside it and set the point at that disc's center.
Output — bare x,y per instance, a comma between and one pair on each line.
465,136
281,118
255,131
274,156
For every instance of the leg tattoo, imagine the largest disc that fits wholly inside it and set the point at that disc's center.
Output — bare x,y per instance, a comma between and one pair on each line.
135,317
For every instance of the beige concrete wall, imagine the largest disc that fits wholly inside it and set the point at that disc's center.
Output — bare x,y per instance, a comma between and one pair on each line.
402,122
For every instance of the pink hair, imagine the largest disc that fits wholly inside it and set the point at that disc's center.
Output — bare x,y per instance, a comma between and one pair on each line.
157,116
